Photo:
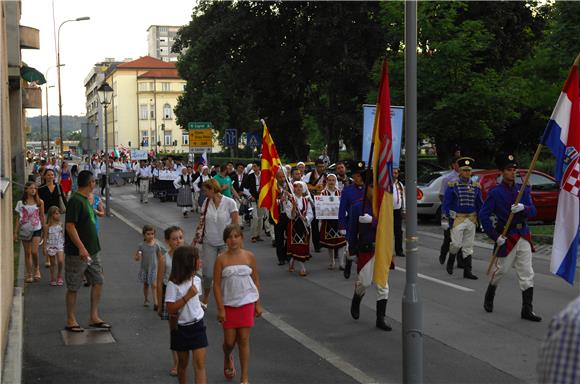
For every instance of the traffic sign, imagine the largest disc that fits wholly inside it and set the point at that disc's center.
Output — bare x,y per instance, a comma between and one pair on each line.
199,125
253,139
231,137
200,140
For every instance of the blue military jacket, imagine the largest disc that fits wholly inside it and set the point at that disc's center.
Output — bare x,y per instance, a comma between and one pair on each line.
499,201
350,195
358,234
462,197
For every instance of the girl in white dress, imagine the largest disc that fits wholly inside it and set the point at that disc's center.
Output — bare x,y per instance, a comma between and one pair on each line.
53,245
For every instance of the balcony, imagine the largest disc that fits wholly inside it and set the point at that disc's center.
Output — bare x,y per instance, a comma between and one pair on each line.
31,97
29,38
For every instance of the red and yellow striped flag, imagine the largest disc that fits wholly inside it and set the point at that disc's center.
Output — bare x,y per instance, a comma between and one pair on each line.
383,182
268,184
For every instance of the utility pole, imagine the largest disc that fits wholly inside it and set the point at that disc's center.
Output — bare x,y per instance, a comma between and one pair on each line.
412,306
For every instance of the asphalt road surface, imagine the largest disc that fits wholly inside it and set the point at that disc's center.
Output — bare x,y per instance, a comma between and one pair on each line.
306,334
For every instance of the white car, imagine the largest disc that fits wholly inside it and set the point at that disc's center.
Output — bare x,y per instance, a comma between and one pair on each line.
428,187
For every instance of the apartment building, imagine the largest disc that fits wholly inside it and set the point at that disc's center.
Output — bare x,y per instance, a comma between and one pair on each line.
141,116
160,39
15,96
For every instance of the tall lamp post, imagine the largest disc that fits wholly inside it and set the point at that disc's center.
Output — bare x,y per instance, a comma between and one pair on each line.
58,65
105,93
47,114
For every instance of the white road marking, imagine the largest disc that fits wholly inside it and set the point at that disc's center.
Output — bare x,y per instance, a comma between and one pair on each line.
318,348
295,334
422,276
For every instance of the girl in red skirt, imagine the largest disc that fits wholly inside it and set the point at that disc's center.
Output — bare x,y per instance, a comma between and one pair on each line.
236,289
329,236
299,211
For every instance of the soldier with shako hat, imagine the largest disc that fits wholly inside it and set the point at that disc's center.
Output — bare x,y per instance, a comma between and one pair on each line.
461,204
515,249
356,216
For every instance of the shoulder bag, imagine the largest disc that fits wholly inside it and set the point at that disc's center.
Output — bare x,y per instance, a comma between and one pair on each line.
61,200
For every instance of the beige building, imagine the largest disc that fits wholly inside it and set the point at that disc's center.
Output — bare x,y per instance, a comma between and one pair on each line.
141,116
15,96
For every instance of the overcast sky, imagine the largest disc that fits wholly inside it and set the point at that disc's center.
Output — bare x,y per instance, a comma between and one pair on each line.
117,28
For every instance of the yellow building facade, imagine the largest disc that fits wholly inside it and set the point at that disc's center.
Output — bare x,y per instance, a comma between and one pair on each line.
141,116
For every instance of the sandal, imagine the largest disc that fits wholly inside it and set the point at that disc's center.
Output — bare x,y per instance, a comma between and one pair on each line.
74,328
59,282
303,273
230,373
291,268
37,275
29,279
173,372
53,283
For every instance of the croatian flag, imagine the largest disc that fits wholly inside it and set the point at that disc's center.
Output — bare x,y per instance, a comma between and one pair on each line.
562,136
201,161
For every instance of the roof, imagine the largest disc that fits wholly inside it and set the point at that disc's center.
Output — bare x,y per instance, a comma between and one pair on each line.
161,74
147,62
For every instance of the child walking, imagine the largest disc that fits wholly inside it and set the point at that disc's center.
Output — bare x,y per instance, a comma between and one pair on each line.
148,252
174,239
186,314
236,290
53,245
28,228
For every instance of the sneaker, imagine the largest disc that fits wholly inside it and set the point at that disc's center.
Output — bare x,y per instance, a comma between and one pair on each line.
53,283
59,282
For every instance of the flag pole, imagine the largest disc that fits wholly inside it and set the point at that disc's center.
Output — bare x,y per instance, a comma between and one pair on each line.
518,199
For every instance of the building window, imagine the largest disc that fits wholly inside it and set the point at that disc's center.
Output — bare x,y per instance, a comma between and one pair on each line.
143,112
168,138
152,86
166,87
144,138
184,85
167,113
163,29
152,113
142,87
185,139
164,58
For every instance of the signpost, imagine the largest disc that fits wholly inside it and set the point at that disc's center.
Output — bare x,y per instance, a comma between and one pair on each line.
137,154
200,136
254,139
231,137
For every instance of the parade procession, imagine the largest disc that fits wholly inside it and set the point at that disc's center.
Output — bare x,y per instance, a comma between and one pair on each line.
296,192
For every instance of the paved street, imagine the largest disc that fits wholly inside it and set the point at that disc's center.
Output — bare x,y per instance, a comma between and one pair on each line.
306,334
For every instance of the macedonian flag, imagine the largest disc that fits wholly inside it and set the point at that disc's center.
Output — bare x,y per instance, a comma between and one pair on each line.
268,184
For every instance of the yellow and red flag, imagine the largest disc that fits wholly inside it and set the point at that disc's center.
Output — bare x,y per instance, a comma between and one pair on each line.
383,182
268,183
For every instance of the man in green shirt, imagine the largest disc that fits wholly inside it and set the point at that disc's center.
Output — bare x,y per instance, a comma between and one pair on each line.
81,250
225,183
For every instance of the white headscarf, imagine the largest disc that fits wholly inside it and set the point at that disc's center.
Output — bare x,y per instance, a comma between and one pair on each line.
305,191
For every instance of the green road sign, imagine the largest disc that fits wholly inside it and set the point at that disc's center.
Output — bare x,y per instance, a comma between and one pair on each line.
199,125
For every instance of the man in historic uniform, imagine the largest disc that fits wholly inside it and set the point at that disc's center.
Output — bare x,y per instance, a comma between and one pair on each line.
361,233
350,194
515,249
461,204
449,178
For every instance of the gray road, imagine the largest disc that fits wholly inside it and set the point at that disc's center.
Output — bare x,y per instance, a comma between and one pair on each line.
307,334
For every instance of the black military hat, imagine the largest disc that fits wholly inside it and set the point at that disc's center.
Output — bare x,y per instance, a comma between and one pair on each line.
505,160
357,167
465,163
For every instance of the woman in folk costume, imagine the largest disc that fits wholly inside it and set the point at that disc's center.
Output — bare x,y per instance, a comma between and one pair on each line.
183,185
298,208
202,178
329,236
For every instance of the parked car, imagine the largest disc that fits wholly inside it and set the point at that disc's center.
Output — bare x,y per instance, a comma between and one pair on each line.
544,191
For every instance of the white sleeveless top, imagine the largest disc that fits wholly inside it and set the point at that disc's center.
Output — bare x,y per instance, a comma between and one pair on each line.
238,288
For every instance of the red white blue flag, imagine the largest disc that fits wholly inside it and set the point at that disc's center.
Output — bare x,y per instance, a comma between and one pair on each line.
562,136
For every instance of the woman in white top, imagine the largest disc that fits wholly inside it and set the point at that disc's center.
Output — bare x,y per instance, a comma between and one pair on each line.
236,289
298,208
217,212
28,228
186,313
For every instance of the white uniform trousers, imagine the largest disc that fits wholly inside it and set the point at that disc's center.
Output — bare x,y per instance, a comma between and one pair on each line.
462,236
144,190
360,288
521,258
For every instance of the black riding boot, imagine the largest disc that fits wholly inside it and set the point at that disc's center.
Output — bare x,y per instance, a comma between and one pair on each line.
450,263
527,308
467,269
355,306
489,295
347,268
381,310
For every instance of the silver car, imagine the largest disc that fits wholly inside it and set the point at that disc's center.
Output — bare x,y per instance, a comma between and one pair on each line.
428,187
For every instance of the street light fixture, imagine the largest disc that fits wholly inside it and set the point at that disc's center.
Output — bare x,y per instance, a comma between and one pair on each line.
58,65
105,93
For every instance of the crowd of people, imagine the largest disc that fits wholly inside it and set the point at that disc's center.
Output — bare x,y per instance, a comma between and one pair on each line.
326,207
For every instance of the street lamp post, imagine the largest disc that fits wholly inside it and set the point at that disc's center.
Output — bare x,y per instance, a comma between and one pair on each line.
105,93
47,123
58,75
